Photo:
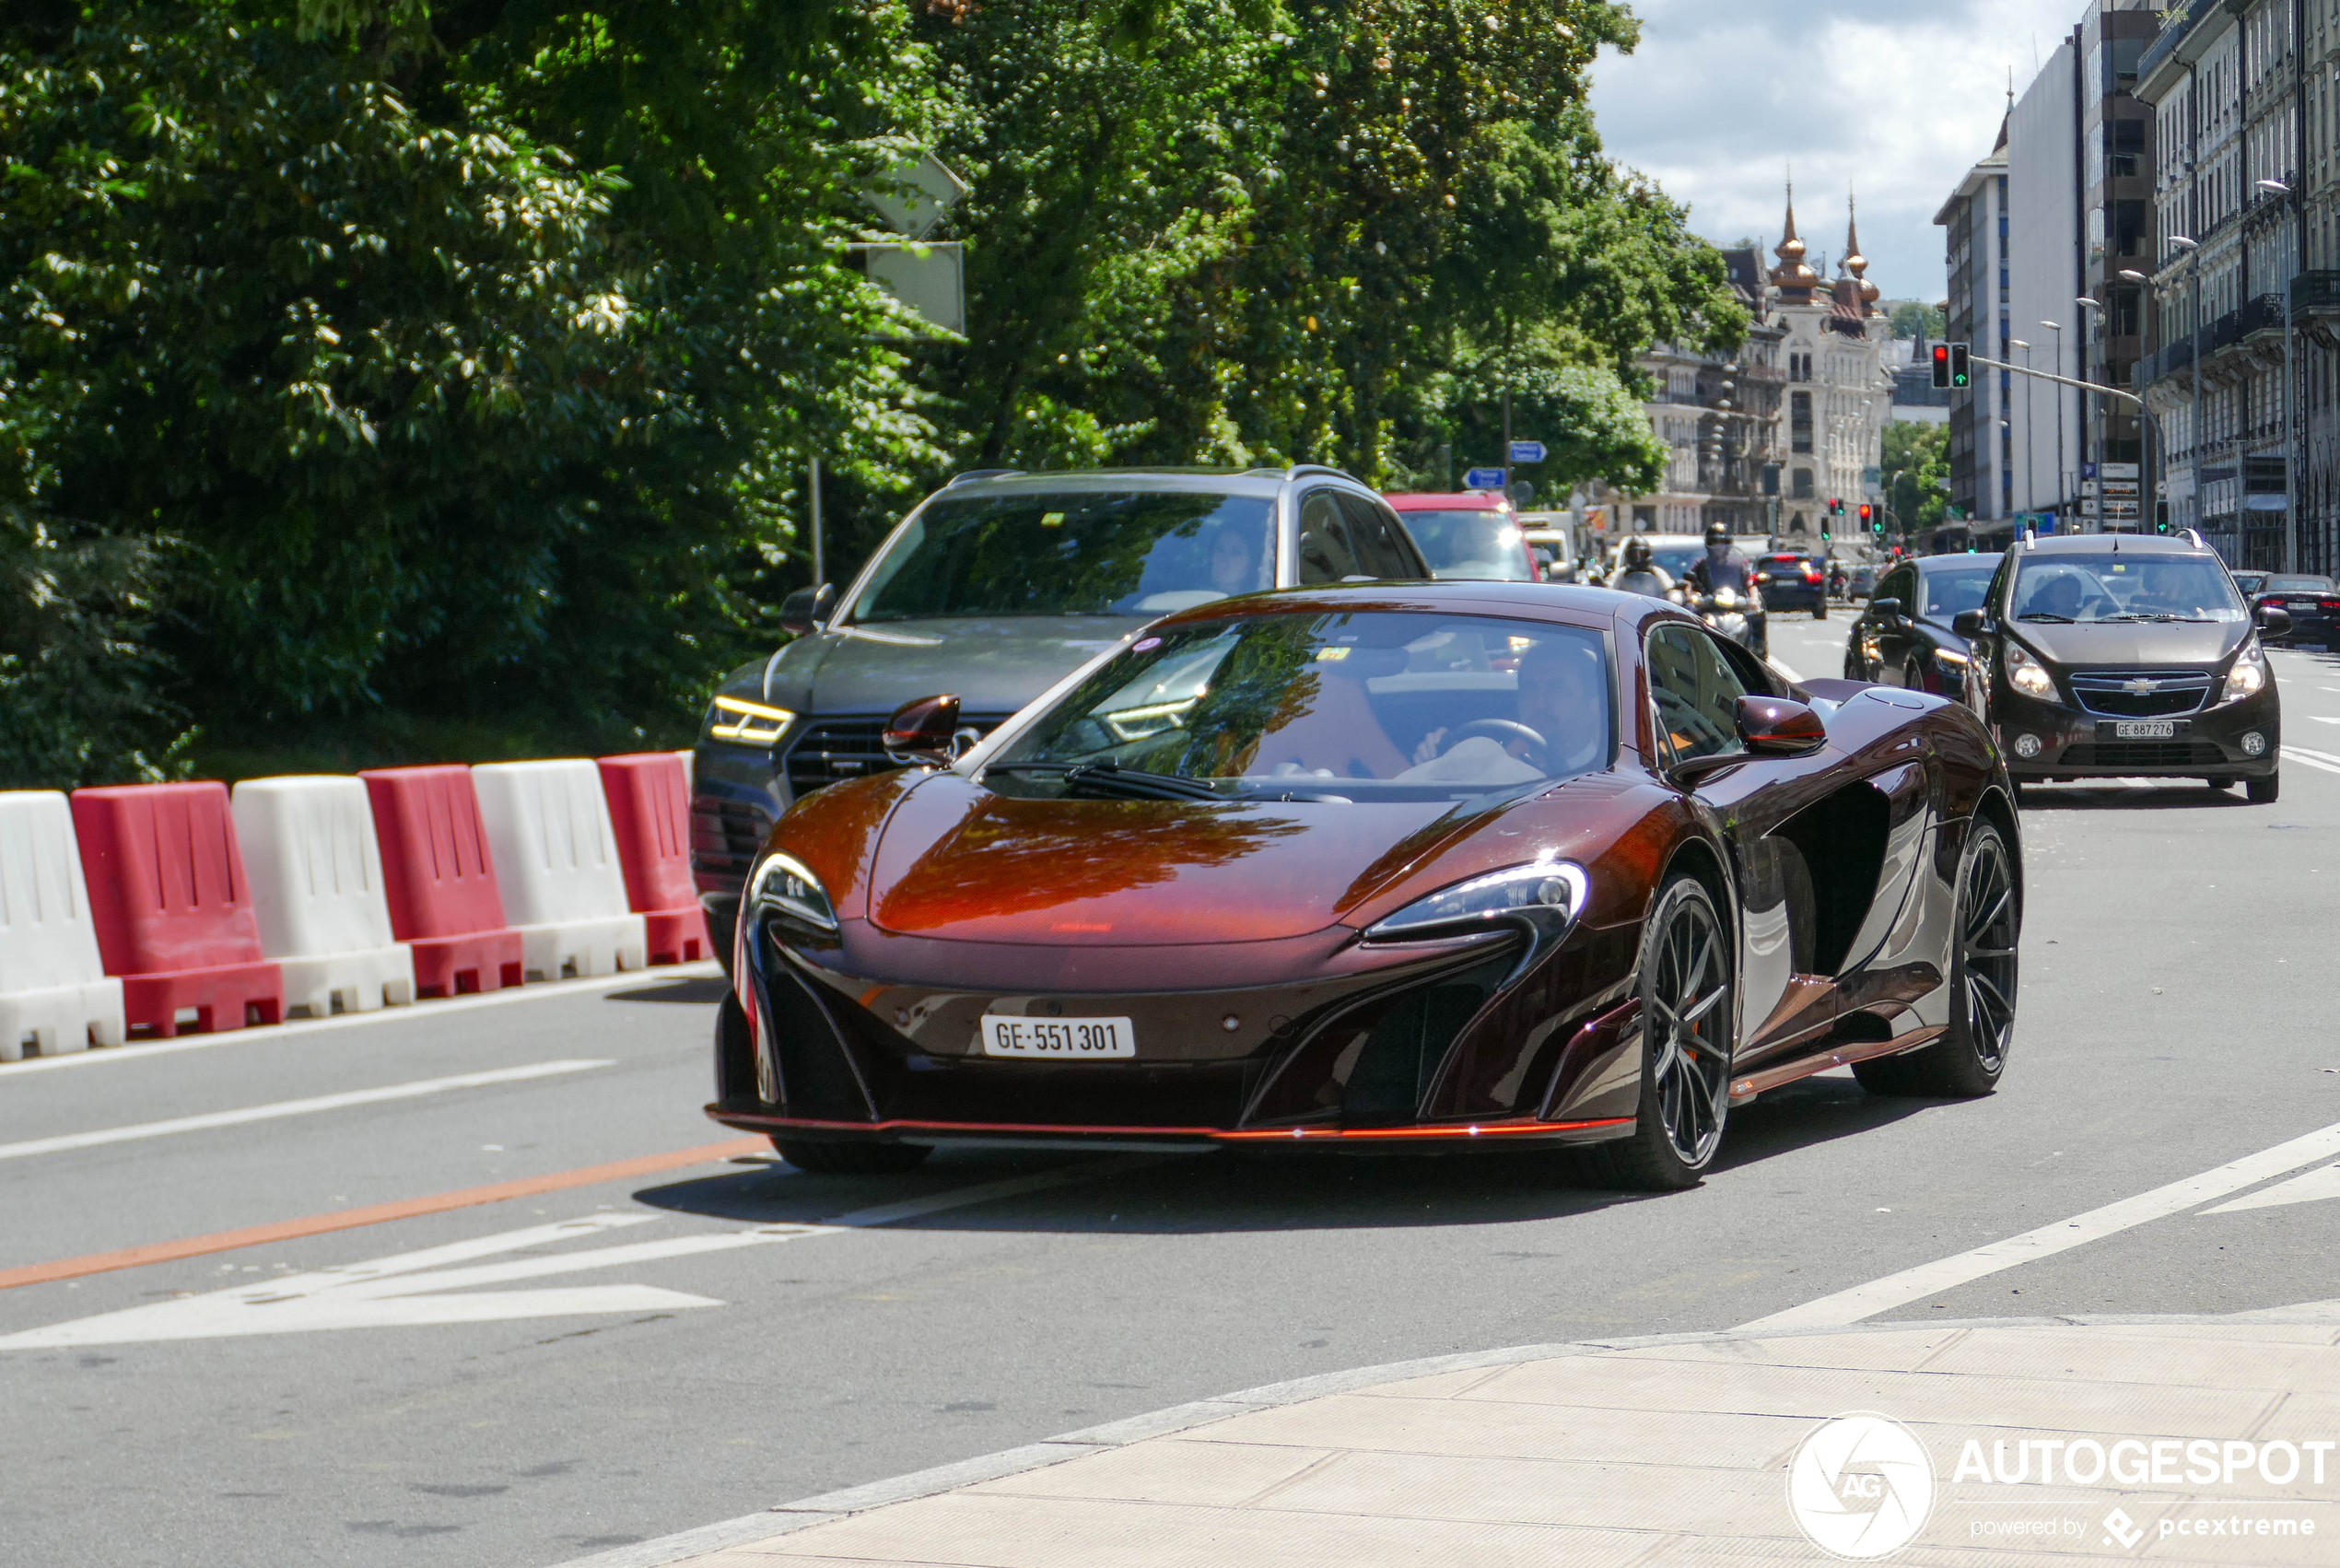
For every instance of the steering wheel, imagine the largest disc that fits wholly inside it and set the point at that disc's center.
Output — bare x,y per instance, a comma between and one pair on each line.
1503,730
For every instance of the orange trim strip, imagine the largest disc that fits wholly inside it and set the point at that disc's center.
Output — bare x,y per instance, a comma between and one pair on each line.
350,1218
1221,1135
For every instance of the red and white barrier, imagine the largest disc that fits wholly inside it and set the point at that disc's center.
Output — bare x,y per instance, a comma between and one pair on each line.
440,880
316,870
548,830
650,807
172,908
54,993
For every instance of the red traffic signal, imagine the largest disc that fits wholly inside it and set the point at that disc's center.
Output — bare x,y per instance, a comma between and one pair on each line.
1867,511
1942,365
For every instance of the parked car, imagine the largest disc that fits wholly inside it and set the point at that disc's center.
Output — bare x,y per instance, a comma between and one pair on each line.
2312,603
1469,534
994,588
1291,872
1905,636
2103,655
1790,579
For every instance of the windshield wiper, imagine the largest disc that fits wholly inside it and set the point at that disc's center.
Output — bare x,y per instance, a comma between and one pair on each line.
1111,779
2046,616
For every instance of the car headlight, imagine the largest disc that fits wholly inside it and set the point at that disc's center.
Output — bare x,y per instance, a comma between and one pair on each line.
2026,674
1547,888
2248,675
1951,663
748,723
785,885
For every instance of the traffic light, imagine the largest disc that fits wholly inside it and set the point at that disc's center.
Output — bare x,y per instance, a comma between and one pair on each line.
1870,519
1835,507
1961,370
1942,365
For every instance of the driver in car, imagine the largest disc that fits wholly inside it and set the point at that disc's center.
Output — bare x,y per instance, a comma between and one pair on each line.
2059,598
1234,567
1561,727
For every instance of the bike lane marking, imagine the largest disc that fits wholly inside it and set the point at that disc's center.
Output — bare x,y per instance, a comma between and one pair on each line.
1948,1273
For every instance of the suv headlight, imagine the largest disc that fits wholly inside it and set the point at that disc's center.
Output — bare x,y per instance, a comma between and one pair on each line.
1550,888
2026,674
785,885
748,723
1951,663
2248,675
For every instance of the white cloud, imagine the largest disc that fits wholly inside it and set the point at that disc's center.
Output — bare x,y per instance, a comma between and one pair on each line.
1895,99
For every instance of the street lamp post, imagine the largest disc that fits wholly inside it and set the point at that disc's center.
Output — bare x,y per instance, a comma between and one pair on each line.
2290,518
2063,489
2031,446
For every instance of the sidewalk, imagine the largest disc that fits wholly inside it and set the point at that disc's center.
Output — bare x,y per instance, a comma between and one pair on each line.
1650,1452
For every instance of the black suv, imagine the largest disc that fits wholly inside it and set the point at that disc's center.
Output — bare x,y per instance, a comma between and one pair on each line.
992,589
2102,655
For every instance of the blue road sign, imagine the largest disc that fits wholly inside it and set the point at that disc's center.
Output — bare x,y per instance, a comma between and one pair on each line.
1528,451
1484,479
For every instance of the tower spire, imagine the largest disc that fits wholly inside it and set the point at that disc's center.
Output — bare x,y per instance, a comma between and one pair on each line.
1792,277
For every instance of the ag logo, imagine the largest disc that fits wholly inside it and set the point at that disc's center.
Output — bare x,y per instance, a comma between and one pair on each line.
1861,1486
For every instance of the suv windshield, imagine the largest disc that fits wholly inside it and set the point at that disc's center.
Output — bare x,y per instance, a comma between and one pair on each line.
1350,706
1479,546
1074,553
2135,586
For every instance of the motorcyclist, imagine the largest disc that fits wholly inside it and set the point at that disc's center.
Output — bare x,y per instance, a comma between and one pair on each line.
1641,574
1722,567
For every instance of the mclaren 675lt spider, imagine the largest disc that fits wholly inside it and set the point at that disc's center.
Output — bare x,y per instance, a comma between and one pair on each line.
1377,866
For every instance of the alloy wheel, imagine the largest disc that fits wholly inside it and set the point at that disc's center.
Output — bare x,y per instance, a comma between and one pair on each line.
1689,1023
1987,932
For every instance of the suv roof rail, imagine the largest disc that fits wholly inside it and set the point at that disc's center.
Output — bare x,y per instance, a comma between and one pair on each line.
1297,469
2193,537
974,473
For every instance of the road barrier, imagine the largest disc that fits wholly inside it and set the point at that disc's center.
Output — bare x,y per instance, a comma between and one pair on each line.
54,993
440,882
649,808
555,854
173,909
316,868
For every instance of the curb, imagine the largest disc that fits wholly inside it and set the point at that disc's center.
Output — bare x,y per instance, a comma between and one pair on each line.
784,1518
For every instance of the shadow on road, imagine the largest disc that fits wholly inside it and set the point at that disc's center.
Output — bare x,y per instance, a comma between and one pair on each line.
2175,795
1253,1190
699,988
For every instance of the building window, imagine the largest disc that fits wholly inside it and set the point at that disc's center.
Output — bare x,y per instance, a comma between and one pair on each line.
1803,491
1800,421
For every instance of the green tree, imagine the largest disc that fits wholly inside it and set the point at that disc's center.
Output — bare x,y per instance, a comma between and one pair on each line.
1917,469
1912,319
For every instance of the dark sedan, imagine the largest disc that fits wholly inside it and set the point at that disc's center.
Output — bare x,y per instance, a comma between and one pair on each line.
1792,582
2099,655
1904,638
1480,865
2312,603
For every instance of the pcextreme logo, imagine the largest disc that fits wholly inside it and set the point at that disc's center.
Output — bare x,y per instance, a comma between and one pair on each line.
1860,1486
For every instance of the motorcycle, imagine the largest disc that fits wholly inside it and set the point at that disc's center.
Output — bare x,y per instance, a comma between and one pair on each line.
1728,614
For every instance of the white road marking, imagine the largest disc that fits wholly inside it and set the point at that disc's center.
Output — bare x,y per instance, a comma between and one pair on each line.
412,1288
1931,1279
294,1107
301,1028
2312,1187
2322,719
2306,758
1784,673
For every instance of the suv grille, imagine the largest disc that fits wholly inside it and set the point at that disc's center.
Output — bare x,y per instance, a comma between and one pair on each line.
2145,754
725,837
2112,694
833,750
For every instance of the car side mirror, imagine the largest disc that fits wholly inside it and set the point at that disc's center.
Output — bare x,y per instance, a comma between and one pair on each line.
803,611
1778,726
1970,624
924,733
1885,609
2274,620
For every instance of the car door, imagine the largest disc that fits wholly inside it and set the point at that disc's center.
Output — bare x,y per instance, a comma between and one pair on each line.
1893,634
1383,546
1322,551
1695,683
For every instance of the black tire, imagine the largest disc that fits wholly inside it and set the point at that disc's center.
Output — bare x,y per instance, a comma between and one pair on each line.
852,1159
1686,1047
1970,1060
1912,675
2262,791
1819,610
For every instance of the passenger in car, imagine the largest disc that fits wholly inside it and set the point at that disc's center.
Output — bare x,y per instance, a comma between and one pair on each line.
1560,703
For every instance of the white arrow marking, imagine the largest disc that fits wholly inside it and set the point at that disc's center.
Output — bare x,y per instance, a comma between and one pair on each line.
2308,1189
291,1107
392,1292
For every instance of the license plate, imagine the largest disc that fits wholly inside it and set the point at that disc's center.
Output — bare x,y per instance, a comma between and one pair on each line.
2144,730
1058,1039
2302,604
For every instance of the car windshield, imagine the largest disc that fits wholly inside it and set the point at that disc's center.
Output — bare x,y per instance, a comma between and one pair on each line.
2135,586
1955,589
1350,706
1468,544
2297,585
1073,553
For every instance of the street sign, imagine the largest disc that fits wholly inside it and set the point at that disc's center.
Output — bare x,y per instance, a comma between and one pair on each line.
2121,511
2121,471
1484,479
1528,451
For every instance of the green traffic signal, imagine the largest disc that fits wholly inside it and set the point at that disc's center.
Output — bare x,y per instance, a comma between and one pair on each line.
1962,369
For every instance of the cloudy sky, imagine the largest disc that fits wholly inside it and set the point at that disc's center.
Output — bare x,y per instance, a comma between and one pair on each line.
1895,99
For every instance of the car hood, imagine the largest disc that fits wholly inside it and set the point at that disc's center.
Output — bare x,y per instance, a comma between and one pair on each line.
957,862
2123,643
993,664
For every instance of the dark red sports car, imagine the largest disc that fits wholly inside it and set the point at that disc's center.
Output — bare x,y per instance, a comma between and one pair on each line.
1376,866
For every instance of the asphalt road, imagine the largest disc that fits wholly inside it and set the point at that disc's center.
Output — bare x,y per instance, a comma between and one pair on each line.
696,1343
